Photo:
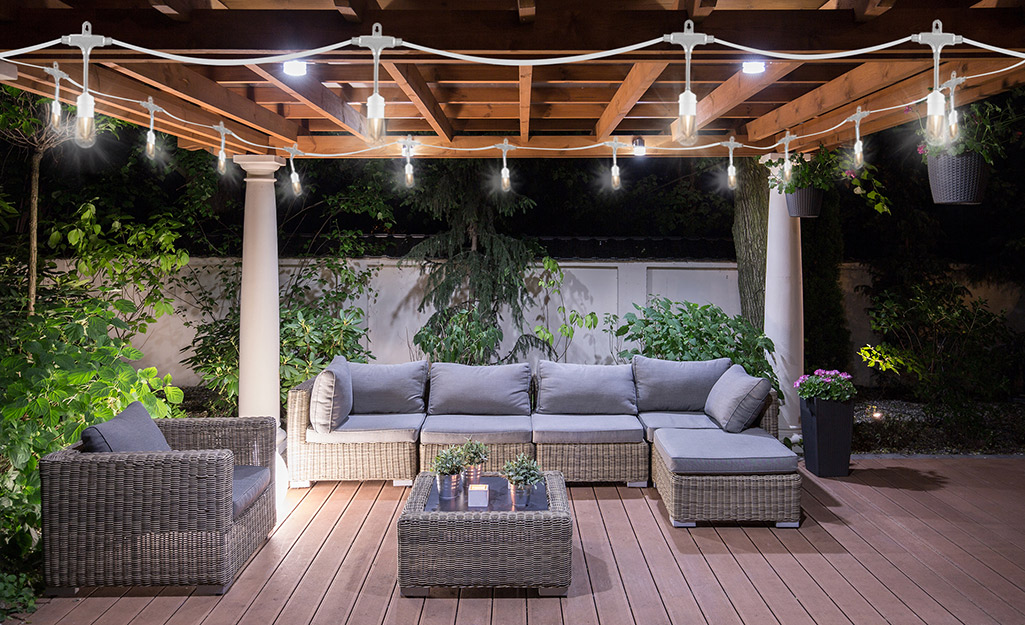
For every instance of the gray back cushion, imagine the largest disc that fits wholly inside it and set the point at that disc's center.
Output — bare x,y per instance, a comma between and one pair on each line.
585,389
737,398
132,430
331,398
388,389
488,390
667,385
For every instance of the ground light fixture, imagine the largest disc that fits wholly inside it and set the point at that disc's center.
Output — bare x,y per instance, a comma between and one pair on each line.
731,170
55,106
935,104
294,68
639,147
85,121
376,42
859,147
688,112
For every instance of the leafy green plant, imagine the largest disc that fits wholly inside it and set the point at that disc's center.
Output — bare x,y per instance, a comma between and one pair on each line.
985,128
522,471
688,331
474,452
831,385
449,461
16,594
550,281
462,334
821,171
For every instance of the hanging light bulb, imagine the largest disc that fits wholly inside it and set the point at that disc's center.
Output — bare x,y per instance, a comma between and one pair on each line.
859,154
409,176
688,113
688,118
375,117
788,167
222,157
55,106
505,147
617,182
506,182
953,130
639,147
376,42
55,113
85,121
407,152
151,137
731,170
859,147
936,118
297,187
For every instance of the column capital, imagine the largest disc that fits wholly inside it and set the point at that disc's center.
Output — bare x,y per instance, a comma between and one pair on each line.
258,164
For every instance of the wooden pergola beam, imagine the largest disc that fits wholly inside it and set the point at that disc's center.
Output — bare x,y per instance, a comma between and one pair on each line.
527,10
861,81
636,83
178,10
412,83
309,90
352,10
698,10
526,84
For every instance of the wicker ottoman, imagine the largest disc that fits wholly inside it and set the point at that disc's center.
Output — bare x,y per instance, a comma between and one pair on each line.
521,549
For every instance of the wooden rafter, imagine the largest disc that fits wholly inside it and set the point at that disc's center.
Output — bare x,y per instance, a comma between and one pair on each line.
178,10
8,71
191,86
859,82
526,9
309,90
735,91
526,84
412,83
698,10
638,81
352,10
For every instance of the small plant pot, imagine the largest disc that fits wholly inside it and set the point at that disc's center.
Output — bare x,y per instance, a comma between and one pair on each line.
520,495
827,427
958,179
450,486
472,473
804,202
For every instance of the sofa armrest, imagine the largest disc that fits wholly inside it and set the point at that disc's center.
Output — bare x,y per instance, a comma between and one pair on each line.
298,418
252,440
770,415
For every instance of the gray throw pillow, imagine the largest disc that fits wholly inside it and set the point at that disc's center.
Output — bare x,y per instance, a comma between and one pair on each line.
737,398
331,397
585,389
671,386
132,430
388,389
488,390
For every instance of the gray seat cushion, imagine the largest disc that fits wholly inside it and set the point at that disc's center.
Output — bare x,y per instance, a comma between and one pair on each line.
667,385
131,430
372,428
592,428
454,429
331,397
585,389
388,389
247,484
737,399
490,390
753,451
684,420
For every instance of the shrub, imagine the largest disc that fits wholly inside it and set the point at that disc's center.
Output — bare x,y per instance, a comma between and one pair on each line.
688,331
462,334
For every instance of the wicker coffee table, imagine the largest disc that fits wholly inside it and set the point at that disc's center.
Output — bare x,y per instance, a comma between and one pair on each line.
485,548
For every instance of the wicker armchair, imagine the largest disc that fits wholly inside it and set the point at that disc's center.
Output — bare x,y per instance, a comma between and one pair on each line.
157,518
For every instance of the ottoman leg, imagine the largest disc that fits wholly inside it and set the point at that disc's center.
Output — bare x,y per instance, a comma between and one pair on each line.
398,483
684,523
636,484
415,591
555,591
299,484
788,524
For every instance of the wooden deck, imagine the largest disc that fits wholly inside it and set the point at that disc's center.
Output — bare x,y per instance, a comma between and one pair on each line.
908,541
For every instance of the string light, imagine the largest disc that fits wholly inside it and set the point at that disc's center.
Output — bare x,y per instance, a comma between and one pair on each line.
222,157
85,122
151,137
294,68
617,182
731,171
55,106
788,167
506,182
375,103
688,112
953,132
935,104
407,151
859,148
297,187
639,148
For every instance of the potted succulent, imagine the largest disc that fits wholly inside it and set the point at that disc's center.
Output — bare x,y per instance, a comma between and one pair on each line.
475,454
827,421
808,179
522,473
448,465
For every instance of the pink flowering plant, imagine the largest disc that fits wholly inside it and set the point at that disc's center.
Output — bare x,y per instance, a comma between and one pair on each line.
831,385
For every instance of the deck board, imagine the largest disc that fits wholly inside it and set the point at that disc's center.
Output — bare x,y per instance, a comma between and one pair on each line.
911,540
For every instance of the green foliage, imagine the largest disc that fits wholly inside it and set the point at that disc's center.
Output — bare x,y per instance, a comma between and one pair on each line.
522,471
449,461
832,385
821,172
944,345
462,334
16,594
688,331
474,452
985,128
550,281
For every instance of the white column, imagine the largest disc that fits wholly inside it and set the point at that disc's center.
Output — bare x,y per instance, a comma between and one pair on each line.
784,305
259,344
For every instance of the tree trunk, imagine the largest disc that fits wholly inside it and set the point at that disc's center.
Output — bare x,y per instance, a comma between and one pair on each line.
33,230
750,234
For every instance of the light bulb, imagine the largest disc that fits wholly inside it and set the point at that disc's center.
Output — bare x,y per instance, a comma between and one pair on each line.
375,117
297,187
295,68
859,153
409,175
639,148
952,127
151,144
788,170
688,118
935,123
55,114
506,183
731,177
222,163
85,125
616,181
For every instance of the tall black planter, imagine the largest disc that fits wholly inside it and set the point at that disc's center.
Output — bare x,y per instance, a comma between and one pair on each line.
826,427
958,179
804,202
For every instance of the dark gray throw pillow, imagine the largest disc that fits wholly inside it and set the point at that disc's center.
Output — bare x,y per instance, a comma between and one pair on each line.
737,398
132,430
585,389
388,389
487,390
331,397
675,386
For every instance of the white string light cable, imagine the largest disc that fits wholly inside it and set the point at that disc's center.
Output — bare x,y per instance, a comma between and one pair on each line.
85,124
376,42
407,151
505,147
813,56
372,148
688,113
259,60
297,187
936,114
151,137
616,181
6,56
986,46
55,106
952,122
559,60
731,171
859,147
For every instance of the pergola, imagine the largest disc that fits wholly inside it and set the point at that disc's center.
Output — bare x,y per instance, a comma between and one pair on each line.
450,104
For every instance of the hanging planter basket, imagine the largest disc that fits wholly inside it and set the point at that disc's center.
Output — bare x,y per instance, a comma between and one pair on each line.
958,179
804,202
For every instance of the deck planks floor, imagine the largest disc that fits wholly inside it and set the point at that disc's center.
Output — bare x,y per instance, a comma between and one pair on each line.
910,540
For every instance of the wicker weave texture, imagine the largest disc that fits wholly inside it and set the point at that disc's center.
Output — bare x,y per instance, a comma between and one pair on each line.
499,453
958,179
770,416
596,462
728,497
481,548
121,519
340,461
